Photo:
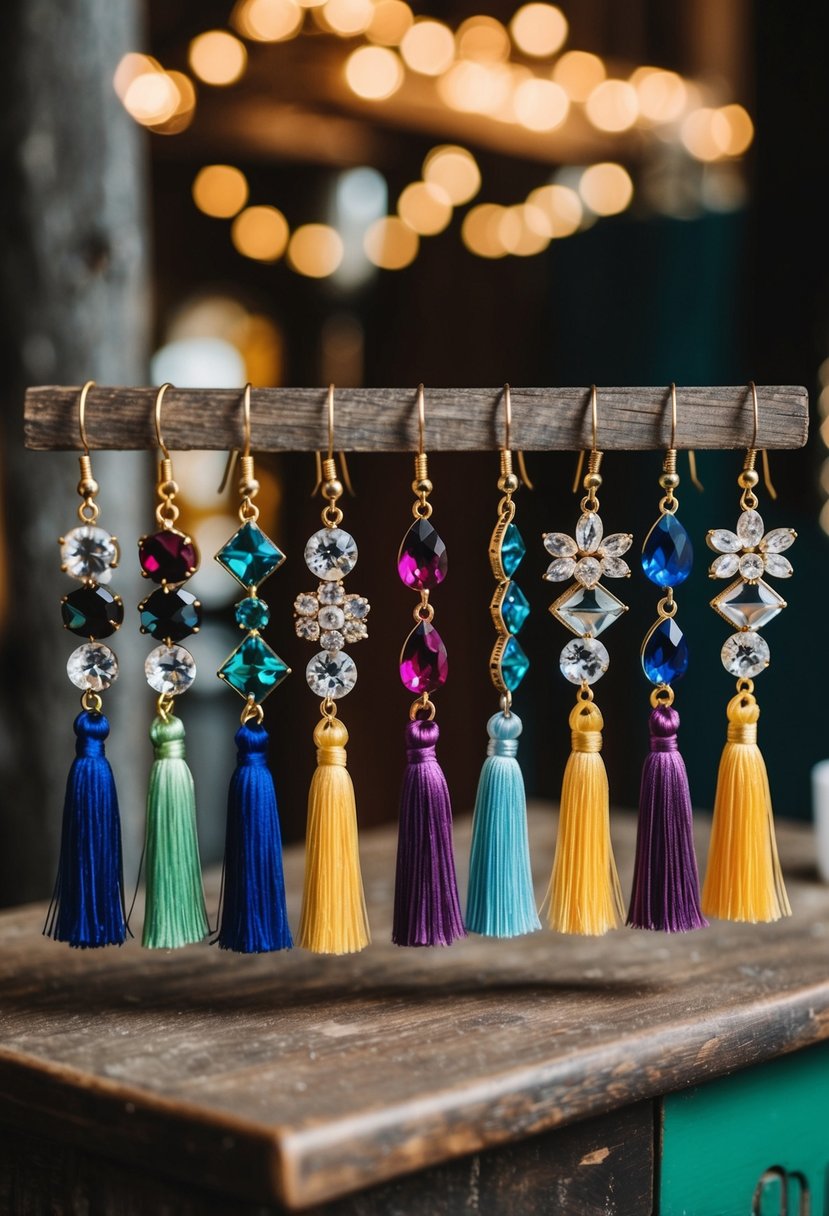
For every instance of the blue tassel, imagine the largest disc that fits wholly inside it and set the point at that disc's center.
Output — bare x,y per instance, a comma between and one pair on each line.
254,918
501,900
87,907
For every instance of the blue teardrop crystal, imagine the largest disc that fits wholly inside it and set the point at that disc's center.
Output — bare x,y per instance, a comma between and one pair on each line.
515,608
512,550
667,554
665,655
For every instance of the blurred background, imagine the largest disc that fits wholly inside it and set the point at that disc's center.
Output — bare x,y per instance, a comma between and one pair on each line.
379,192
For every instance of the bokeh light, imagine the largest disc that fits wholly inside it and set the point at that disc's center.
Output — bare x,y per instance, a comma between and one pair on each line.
662,95
606,188
613,106
428,47
217,57
539,30
390,243
706,133
578,73
480,230
483,39
220,190
562,207
476,88
540,105
315,250
348,17
373,72
740,130
455,170
267,20
425,207
151,97
260,233
389,22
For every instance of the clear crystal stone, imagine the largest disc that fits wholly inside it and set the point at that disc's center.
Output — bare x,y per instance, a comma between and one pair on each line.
307,628
331,675
89,552
723,541
170,670
749,605
331,553
560,570
356,607
588,571
750,527
588,611
778,539
725,566
589,532
745,655
330,593
331,617
615,567
751,565
306,605
559,544
355,631
616,545
332,639
584,661
92,667
778,565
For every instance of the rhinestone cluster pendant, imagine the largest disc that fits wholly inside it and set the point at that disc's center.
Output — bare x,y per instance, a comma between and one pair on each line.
330,616
254,669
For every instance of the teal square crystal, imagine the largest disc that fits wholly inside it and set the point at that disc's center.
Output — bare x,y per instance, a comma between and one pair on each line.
515,608
514,664
250,556
253,669
512,550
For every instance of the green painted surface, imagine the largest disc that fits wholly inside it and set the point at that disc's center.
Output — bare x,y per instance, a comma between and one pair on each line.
719,1138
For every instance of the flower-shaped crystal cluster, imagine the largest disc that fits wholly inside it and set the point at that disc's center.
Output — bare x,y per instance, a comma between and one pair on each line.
331,617
587,557
750,552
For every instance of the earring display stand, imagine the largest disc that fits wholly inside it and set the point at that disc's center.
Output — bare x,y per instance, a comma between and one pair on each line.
385,419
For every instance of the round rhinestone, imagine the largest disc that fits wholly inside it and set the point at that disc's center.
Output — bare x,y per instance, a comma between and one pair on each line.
306,605
331,675
331,617
307,628
356,607
92,667
745,654
252,613
92,612
584,660
170,670
330,593
89,552
355,631
332,639
168,556
170,616
751,565
331,553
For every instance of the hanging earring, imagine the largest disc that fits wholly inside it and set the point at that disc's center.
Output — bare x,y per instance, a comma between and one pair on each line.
87,907
665,877
253,917
333,918
584,895
743,880
175,914
501,902
427,909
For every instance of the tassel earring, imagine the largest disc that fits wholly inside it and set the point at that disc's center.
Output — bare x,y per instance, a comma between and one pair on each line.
175,914
333,918
501,902
427,908
253,917
665,877
87,907
584,895
743,880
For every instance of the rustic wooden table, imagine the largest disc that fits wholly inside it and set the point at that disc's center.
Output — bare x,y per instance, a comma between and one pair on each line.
520,1077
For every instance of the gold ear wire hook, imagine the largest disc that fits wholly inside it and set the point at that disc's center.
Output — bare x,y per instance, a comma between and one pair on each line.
159,397
595,455
87,485
506,451
82,415
234,453
670,455
318,461
751,454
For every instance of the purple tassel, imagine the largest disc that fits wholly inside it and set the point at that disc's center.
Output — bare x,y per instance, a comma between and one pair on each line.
427,910
665,879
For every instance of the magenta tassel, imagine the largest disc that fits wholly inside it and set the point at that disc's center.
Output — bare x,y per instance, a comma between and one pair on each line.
427,910
665,878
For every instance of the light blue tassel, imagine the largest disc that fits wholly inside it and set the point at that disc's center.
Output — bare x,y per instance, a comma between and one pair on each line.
501,900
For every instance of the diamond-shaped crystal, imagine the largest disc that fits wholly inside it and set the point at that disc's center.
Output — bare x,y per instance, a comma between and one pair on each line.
588,571
722,540
749,605
778,566
589,532
331,675
170,670
515,608
88,552
778,539
253,669
250,556
331,554
559,544
92,667
588,611
560,569
584,661
514,664
725,566
745,655
750,528
512,550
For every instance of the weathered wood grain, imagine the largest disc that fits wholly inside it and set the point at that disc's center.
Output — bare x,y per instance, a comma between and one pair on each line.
302,1079
385,419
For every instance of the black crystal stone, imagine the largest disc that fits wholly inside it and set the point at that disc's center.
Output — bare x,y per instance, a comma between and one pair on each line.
92,612
170,615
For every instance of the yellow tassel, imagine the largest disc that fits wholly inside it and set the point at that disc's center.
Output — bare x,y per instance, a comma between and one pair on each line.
333,919
743,880
584,895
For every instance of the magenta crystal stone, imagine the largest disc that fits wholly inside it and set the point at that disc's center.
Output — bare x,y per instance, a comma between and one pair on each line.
422,560
168,557
424,664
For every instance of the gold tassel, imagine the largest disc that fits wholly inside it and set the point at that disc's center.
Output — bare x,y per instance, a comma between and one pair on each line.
333,919
584,895
743,880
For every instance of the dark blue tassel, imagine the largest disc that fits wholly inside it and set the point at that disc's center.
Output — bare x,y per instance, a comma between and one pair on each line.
254,918
87,907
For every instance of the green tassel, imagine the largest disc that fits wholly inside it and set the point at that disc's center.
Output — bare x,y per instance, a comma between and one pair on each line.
175,912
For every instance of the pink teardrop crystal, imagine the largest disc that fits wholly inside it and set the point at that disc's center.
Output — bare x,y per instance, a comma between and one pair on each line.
422,560
424,664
